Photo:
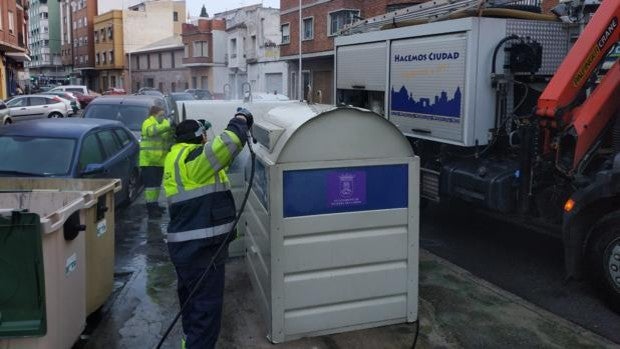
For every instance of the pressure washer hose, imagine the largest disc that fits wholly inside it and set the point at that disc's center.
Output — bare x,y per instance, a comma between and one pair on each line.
221,246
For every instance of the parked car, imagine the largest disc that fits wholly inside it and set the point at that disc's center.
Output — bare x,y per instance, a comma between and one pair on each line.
200,94
73,103
174,97
29,107
131,110
5,118
84,95
73,148
150,91
114,91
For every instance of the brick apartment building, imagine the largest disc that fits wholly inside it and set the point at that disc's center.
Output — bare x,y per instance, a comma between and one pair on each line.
321,21
204,43
77,39
13,45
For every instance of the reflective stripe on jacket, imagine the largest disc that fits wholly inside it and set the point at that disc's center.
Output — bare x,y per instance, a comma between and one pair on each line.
155,142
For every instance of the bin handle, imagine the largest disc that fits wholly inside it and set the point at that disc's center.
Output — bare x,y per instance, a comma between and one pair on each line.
90,199
58,218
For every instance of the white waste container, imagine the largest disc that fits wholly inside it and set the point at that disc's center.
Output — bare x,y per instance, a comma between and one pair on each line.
332,222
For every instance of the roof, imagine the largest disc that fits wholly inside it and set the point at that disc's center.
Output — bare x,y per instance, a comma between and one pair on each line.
126,99
57,128
163,44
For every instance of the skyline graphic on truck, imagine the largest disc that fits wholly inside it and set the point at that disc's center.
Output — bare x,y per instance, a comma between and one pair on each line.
404,104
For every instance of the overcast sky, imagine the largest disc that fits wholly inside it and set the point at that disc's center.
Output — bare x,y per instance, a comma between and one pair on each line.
215,6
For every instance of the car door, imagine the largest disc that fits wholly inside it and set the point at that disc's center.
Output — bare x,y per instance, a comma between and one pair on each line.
116,161
18,109
91,154
38,107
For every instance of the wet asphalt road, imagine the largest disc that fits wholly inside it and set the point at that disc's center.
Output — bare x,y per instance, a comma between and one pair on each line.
518,260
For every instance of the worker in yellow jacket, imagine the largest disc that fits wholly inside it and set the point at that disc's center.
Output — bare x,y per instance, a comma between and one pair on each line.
154,146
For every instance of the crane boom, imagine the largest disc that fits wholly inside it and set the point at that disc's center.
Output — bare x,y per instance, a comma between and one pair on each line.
601,33
581,126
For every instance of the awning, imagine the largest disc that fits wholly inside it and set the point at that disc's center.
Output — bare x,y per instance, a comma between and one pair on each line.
18,56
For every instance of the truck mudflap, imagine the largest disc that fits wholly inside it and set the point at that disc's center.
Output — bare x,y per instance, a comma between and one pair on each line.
587,206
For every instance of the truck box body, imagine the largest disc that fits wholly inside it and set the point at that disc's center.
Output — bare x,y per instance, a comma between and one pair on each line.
434,80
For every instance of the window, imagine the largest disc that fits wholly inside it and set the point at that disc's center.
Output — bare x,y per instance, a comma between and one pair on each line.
253,48
172,62
96,36
111,146
173,87
102,34
159,59
122,136
308,33
90,153
338,19
1,18
11,23
103,58
175,16
201,49
74,25
97,58
110,32
85,20
111,57
137,62
161,86
148,61
233,48
43,15
186,53
17,102
286,33
150,82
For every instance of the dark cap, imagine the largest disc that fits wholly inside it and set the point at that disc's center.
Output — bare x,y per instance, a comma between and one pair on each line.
191,130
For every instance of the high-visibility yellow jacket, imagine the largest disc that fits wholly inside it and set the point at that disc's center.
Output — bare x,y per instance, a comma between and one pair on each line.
155,143
201,205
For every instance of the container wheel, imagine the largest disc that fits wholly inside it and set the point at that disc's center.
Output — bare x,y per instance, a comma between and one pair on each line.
604,258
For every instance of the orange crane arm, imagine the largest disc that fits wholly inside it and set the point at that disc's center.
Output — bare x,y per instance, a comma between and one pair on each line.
589,122
601,33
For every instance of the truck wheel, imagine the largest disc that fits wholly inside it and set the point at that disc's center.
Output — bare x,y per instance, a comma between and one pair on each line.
605,258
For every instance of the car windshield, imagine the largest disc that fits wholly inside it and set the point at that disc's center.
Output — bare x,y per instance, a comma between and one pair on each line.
37,156
131,116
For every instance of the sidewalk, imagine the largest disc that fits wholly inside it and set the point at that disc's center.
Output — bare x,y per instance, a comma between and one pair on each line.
457,309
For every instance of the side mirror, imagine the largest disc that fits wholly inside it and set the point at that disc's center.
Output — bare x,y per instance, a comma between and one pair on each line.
92,169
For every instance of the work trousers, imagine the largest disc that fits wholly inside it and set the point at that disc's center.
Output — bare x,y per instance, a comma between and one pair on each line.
152,178
201,319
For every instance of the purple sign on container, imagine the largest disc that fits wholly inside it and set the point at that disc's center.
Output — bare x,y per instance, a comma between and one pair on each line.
346,188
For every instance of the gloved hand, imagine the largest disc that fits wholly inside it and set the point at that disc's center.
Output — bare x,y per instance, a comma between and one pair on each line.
249,118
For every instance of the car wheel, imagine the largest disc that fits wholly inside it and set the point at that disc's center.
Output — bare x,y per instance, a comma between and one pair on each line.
7,121
55,115
133,187
604,258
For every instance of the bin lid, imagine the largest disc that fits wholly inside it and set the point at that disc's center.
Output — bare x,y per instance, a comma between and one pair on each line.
22,295
300,132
